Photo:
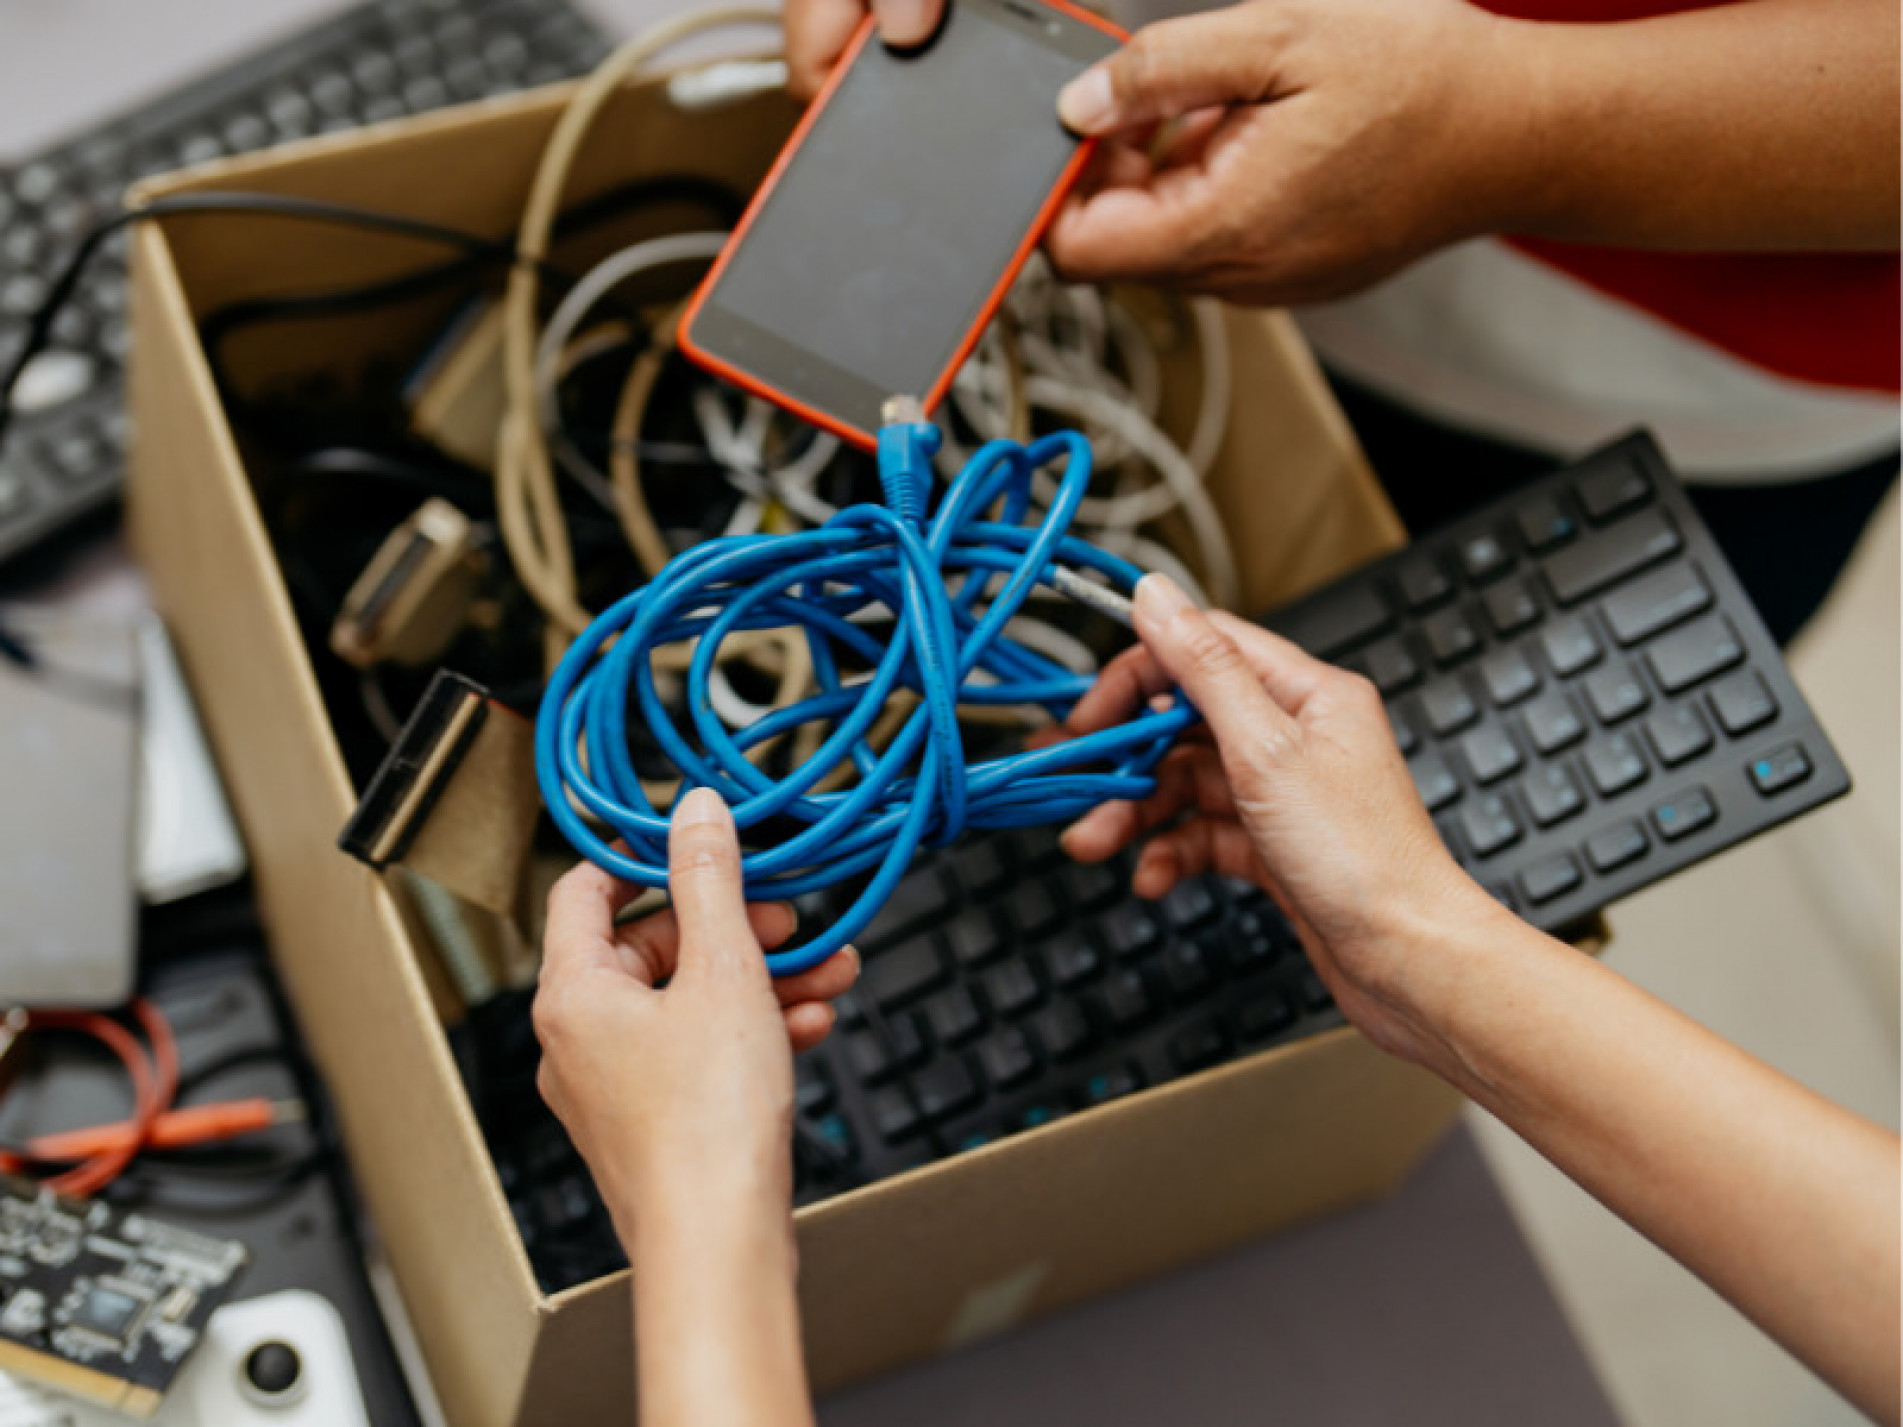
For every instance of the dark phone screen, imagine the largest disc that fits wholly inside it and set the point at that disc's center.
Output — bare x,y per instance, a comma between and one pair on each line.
891,227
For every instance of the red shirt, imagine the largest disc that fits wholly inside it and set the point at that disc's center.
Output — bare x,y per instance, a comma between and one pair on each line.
1830,318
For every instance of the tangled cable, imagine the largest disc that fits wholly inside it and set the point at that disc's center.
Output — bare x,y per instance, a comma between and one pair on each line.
949,585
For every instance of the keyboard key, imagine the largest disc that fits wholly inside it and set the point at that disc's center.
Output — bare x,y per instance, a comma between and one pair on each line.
1450,635
1190,904
1007,1058
920,896
1389,662
981,867
1509,677
1615,764
1033,908
1655,603
1552,794
1684,815
1608,556
1489,754
1483,557
1693,654
1616,846
1072,962
1423,582
945,1088
1263,1014
1741,702
1448,706
1011,988
954,1015
1780,769
1553,722
1610,492
1551,877
974,939
1062,1029
1678,734
1488,825
1091,885
893,1115
872,1059
1337,619
1127,999
1616,692
1199,1046
902,972
1544,524
1570,645
1189,969
1405,737
1130,931
1315,994
1257,939
1511,607
1434,781
1111,1084
813,1092
1040,1115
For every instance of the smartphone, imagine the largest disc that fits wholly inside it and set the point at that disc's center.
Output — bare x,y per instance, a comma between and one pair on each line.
892,224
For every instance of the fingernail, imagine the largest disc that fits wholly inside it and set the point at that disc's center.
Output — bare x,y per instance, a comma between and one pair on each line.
1088,104
701,805
904,22
1162,597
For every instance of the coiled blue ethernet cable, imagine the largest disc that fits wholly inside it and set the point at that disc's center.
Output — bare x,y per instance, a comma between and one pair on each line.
931,575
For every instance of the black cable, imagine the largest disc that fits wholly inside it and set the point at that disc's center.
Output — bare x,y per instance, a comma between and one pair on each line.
268,205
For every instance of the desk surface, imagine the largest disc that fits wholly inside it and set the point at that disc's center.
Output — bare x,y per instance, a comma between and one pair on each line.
1426,1309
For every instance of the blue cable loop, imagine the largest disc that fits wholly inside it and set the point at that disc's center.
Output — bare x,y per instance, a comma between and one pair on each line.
920,791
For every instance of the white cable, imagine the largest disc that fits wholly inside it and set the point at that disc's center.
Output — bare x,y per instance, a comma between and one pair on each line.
573,310
1178,489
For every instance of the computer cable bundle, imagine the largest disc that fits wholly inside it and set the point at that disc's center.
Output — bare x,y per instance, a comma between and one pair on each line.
950,584
1076,355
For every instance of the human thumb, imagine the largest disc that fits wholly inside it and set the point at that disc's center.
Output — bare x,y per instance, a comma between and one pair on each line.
1168,70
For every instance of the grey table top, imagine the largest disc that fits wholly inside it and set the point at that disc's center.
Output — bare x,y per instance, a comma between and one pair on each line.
1426,1309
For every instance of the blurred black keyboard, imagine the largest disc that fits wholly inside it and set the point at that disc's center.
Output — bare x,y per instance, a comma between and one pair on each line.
1006,986
61,459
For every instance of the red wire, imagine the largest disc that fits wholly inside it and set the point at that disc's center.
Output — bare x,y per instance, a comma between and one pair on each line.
154,1085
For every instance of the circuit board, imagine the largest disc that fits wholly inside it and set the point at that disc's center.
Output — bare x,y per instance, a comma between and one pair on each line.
101,1303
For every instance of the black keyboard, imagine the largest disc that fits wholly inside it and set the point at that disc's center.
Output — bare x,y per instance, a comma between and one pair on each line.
61,459
1586,697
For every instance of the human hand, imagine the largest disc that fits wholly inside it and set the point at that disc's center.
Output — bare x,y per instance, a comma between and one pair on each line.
1287,151
1298,787
817,32
686,1090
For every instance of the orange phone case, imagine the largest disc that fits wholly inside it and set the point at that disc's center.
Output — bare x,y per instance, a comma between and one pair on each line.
868,440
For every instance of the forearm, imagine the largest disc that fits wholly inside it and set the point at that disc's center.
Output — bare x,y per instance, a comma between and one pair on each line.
717,1333
1760,124
1784,1203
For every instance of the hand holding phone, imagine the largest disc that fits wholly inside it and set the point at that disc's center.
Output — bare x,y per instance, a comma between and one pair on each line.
892,224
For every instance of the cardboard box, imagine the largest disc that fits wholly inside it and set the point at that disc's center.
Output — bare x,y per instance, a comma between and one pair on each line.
903,1268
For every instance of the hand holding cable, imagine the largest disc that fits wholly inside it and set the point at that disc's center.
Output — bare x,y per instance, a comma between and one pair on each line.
950,584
